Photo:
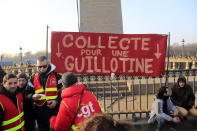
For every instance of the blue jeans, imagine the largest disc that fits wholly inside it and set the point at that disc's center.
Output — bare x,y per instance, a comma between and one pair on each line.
161,122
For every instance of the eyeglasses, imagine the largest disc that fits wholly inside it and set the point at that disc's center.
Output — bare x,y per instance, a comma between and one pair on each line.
43,66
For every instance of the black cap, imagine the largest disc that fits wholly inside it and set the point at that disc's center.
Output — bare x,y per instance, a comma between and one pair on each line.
68,79
22,75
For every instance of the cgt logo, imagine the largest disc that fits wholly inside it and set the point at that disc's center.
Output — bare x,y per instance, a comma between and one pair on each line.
86,110
53,81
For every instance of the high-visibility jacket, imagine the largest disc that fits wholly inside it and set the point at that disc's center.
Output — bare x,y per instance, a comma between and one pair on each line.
13,119
50,91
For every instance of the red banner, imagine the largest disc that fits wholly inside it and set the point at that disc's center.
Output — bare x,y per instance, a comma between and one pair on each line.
104,53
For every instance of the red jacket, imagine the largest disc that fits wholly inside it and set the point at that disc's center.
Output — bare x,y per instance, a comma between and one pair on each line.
70,99
50,89
13,116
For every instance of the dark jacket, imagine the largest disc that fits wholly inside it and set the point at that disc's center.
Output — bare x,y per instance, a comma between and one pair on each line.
28,108
182,96
11,96
44,111
2,73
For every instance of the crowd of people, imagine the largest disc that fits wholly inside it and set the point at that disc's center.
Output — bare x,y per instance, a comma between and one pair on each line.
61,103
53,101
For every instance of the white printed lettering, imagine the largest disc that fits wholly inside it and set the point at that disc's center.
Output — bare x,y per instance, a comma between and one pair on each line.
144,43
69,65
86,110
83,44
111,41
65,44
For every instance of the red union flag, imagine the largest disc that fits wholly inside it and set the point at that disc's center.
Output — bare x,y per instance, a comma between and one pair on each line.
105,53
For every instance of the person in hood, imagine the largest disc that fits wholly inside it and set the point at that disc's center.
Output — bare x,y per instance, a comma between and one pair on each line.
27,91
47,86
163,110
11,105
77,104
183,97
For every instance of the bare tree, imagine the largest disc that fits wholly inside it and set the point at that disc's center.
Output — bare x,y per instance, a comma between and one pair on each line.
190,49
16,58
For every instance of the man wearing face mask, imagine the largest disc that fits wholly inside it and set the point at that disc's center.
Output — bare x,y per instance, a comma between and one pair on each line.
47,86
27,92
11,105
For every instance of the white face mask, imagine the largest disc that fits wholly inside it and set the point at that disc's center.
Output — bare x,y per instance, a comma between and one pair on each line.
167,93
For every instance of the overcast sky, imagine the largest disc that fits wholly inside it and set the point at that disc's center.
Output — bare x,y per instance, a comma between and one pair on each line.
23,22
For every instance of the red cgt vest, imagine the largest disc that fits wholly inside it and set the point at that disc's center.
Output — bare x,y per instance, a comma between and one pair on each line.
50,91
13,119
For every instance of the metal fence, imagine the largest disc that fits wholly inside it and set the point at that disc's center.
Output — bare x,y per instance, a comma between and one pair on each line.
125,97
131,97
27,69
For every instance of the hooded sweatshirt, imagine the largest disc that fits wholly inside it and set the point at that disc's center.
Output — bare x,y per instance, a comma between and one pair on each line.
70,101
182,96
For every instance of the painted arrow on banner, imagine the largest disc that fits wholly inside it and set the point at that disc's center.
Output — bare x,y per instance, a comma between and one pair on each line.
157,54
58,51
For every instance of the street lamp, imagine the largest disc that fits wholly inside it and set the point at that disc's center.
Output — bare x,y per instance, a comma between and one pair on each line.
21,54
183,55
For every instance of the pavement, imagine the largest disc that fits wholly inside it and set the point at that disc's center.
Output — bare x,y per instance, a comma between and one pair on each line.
187,125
